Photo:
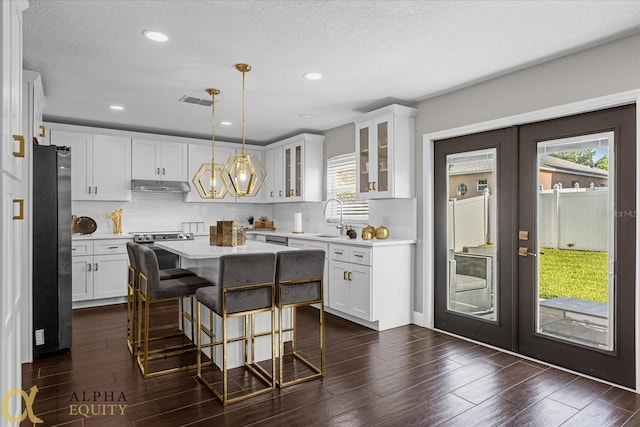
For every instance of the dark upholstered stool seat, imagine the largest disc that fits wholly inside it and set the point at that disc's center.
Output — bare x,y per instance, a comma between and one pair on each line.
299,282
151,289
175,273
245,286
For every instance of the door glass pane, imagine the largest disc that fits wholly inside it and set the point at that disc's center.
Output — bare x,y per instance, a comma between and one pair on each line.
472,234
298,191
287,172
364,160
575,255
383,156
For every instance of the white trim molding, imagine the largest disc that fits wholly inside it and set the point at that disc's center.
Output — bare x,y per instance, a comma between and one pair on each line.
594,104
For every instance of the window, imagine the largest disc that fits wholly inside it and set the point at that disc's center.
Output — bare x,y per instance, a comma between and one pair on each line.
341,185
481,185
461,189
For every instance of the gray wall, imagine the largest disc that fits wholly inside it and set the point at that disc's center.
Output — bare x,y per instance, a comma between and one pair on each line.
603,70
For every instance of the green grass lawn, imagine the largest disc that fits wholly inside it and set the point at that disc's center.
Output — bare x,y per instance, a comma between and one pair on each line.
576,274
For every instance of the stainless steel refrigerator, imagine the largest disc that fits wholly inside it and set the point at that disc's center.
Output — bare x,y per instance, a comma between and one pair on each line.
51,249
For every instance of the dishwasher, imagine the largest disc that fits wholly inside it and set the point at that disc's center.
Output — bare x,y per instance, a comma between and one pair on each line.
277,240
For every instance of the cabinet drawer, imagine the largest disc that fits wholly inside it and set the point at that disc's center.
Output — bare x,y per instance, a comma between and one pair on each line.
339,252
359,255
81,247
110,246
309,244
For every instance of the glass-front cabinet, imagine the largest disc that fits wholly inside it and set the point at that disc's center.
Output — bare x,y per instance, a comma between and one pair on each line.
384,143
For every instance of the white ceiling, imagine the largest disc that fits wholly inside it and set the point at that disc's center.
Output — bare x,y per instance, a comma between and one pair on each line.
92,54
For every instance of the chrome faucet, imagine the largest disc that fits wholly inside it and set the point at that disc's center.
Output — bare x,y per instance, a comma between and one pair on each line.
340,226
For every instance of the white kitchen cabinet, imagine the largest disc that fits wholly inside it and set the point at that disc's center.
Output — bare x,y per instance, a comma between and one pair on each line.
312,244
274,186
384,153
159,160
33,106
100,165
199,154
296,165
371,285
99,271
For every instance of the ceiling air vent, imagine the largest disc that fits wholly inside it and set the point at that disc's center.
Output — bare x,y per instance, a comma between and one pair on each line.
197,101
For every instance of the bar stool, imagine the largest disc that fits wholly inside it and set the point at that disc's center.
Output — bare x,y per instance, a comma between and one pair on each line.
245,287
132,292
152,290
299,283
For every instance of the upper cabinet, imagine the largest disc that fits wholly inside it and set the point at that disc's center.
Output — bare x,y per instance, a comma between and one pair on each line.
100,165
296,165
159,161
384,147
33,106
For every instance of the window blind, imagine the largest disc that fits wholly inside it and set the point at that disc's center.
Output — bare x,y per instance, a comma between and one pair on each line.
341,185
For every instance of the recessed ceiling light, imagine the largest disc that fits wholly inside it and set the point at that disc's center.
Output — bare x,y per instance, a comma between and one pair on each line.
313,76
116,107
156,36
306,116
224,123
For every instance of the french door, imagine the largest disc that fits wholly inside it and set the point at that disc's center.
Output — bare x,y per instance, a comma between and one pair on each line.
535,240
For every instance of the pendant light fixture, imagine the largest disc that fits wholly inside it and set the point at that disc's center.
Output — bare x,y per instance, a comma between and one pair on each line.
210,179
245,173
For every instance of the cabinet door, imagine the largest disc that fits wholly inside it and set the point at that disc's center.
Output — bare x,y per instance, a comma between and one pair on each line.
339,287
381,181
110,276
293,171
81,145
82,278
274,163
360,283
173,161
363,178
144,164
111,167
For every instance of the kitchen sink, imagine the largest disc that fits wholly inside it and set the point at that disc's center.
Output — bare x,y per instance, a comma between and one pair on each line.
329,236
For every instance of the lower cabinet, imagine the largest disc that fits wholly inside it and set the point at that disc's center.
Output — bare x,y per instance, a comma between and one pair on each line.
99,269
372,284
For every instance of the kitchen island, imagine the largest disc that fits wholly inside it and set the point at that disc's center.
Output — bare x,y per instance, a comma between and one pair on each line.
203,259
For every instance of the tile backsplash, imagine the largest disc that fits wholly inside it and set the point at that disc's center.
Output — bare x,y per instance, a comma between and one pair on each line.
154,212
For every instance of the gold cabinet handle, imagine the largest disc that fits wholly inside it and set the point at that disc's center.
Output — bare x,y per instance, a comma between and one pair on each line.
73,249
271,194
96,269
344,275
280,193
89,267
95,189
374,185
358,255
89,189
42,131
20,152
338,252
163,171
20,203
349,276
157,171
369,186
113,247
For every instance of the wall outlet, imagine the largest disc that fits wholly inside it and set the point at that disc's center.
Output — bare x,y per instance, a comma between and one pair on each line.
40,337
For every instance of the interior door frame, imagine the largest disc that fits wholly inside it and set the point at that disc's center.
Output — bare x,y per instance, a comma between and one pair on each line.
426,317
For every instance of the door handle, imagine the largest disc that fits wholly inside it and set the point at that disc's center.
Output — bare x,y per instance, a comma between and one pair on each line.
163,171
280,193
349,276
374,185
42,131
96,269
20,203
95,189
89,189
524,251
271,193
157,171
20,152
89,267
344,275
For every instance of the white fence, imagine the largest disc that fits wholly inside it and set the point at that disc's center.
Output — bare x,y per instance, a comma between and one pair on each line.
568,219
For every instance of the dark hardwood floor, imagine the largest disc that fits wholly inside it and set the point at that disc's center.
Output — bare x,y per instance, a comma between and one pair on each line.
405,376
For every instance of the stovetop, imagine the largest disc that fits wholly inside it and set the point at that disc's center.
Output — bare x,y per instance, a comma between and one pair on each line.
156,237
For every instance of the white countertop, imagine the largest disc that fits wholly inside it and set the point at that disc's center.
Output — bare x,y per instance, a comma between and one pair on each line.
201,249
342,240
97,236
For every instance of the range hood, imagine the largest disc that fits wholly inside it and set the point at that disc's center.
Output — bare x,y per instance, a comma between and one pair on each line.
160,186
